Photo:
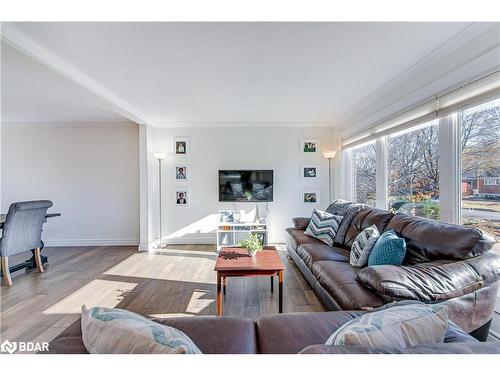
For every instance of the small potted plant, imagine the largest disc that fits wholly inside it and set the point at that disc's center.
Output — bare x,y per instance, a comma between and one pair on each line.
253,244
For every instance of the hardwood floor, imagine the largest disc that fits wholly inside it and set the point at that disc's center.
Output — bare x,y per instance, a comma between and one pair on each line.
178,281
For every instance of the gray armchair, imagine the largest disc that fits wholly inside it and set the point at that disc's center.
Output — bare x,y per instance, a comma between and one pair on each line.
22,231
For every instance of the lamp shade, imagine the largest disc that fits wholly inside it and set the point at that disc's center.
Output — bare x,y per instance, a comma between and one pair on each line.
160,155
329,154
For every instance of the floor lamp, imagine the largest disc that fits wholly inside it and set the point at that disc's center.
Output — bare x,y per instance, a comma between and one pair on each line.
160,156
329,155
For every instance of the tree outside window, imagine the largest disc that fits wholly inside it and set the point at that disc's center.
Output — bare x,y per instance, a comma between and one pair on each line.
413,171
480,142
364,174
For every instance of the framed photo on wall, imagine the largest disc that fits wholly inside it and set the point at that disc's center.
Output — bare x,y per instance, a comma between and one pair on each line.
181,173
309,173
181,197
309,146
310,197
181,146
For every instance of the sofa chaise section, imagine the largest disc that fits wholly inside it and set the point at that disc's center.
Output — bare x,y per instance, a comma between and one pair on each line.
445,263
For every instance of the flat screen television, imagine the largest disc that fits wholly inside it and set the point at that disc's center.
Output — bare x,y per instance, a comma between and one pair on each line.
245,186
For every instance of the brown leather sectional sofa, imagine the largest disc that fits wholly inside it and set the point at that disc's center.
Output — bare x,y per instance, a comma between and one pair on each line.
278,334
445,263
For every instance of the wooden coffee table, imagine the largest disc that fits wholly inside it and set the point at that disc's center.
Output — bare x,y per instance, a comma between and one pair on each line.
235,262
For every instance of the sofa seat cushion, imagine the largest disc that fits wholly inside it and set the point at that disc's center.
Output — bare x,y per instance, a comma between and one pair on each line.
435,281
211,334
296,237
339,280
311,253
290,333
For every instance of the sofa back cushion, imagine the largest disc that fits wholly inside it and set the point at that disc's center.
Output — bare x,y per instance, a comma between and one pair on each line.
428,239
365,218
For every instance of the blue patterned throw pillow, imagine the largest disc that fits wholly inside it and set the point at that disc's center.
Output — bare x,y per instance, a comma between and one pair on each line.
117,331
363,245
323,226
389,249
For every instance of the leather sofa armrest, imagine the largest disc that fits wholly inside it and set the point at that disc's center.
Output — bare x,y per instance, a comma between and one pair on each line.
301,223
434,281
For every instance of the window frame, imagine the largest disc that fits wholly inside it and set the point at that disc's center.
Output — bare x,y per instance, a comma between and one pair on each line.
450,166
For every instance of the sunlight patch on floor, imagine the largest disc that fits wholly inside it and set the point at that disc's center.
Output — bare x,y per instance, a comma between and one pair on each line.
167,267
179,250
205,225
197,303
98,292
173,315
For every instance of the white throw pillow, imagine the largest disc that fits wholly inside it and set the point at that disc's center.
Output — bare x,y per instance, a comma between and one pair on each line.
363,245
117,331
395,327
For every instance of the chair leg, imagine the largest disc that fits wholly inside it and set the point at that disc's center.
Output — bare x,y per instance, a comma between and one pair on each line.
38,260
6,271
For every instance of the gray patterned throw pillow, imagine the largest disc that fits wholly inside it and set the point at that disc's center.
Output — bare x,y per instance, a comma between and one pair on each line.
348,210
363,245
395,327
323,226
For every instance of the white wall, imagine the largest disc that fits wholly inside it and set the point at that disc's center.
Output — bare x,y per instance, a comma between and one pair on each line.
89,171
212,149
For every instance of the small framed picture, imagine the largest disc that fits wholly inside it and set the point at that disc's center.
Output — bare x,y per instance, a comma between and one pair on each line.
310,197
226,216
181,146
181,197
309,172
181,173
309,146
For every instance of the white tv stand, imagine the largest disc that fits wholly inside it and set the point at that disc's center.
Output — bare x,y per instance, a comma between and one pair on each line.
231,234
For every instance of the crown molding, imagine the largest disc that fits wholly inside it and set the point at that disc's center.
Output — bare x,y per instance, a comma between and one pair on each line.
244,124
368,106
30,47
67,124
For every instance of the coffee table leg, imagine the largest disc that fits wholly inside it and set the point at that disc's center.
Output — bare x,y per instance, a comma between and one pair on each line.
272,284
219,295
280,276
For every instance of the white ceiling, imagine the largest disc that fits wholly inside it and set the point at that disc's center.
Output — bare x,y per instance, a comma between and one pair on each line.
31,92
214,73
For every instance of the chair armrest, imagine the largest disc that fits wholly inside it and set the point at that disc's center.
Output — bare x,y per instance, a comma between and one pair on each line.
301,223
434,281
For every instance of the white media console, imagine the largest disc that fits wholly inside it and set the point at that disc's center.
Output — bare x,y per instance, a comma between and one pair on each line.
231,234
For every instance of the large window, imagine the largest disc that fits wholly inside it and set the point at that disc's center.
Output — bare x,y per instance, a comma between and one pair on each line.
413,173
480,185
364,173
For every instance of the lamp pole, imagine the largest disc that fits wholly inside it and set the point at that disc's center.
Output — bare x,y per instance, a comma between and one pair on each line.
160,156
329,180
159,192
329,155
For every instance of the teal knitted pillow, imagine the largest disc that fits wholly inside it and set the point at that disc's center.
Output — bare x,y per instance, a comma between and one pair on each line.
389,249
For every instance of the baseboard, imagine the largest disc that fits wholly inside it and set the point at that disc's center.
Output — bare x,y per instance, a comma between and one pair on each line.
194,240
92,242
